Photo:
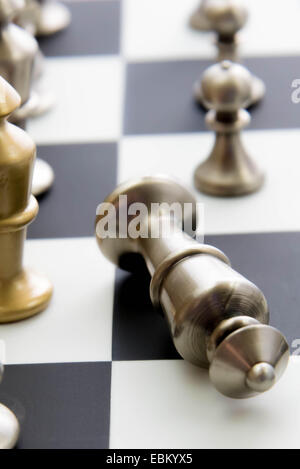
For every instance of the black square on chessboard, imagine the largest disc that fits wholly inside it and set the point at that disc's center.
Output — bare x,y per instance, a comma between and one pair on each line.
159,96
65,405
139,331
84,175
94,29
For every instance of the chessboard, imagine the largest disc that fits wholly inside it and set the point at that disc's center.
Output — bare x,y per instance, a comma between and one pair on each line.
98,369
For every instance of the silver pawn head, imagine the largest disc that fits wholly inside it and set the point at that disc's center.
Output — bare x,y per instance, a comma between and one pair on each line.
226,87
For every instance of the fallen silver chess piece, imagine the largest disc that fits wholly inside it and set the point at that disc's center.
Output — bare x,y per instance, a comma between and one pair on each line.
217,318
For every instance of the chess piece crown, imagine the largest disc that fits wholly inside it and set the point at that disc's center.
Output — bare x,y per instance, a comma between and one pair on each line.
217,318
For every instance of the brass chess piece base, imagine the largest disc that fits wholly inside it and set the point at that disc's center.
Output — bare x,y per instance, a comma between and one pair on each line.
216,317
27,294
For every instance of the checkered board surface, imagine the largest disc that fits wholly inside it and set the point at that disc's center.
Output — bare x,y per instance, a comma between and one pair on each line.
97,369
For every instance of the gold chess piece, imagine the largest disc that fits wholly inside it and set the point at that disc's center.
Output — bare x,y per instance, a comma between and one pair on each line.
43,17
217,318
23,292
19,52
226,18
229,170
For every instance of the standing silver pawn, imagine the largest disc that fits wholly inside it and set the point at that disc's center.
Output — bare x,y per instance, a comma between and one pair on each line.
229,170
226,18
18,53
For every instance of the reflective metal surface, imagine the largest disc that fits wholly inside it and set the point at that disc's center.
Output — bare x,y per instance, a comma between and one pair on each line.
214,313
249,361
23,293
226,18
228,170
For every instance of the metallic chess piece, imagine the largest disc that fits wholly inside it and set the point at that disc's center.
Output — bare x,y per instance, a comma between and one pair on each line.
9,425
217,318
23,292
19,52
198,19
226,18
228,171
43,17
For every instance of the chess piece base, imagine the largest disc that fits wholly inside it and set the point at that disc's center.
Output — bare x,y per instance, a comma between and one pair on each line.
53,17
210,179
228,171
215,183
9,428
43,177
257,93
24,296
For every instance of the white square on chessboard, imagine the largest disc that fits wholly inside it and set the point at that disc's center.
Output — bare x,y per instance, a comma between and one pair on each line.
274,208
88,100
157,30
172,404
77,325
